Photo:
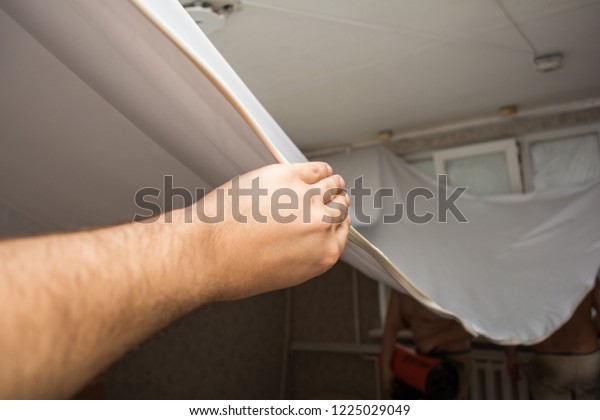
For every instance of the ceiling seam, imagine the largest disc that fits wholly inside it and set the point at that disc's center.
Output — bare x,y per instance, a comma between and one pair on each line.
516,26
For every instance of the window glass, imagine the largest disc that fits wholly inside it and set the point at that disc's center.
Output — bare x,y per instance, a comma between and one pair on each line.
565,161
483,174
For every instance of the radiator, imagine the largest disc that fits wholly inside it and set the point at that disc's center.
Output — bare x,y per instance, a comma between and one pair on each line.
489,381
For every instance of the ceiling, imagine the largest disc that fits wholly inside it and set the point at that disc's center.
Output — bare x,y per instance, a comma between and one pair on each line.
335,72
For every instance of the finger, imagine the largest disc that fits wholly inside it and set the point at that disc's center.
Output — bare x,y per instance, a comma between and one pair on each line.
341,199
348,222
341,234
332,186
336,211
312,172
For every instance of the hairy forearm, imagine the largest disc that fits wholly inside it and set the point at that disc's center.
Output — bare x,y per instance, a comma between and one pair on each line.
96,294
71,304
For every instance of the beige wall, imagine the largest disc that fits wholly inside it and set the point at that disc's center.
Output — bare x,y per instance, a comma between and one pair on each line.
235,350
222,351
323,312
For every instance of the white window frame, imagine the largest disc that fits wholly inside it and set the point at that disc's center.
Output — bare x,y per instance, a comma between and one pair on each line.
525,143
507,146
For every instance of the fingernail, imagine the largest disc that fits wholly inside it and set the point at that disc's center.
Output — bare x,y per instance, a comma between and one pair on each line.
329,169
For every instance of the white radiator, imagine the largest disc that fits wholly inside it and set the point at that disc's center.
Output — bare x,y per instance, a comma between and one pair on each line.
490,381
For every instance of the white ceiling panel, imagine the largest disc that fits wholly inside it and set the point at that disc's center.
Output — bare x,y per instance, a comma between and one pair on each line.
338,71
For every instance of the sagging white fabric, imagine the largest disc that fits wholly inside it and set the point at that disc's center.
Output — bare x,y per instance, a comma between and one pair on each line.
119,93
101,99
515,271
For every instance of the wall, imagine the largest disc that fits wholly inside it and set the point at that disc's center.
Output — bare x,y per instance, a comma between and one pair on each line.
508,127
229,350
323,317
235,350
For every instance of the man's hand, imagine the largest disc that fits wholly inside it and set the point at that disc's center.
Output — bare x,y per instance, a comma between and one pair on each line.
259,247
92,295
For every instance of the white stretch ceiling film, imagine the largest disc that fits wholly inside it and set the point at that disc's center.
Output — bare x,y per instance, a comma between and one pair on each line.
515,270
100,99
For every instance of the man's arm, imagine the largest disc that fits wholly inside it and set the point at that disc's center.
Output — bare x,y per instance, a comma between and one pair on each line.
71,304
393,323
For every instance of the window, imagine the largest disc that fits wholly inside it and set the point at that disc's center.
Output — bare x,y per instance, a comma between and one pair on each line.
562,157
487,168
